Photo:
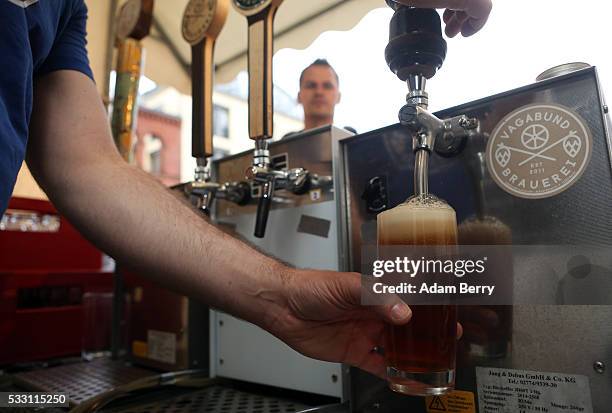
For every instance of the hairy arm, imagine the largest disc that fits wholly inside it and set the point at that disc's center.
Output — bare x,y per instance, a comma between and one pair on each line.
130,215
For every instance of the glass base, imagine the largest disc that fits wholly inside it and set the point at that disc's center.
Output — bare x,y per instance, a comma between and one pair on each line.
435,383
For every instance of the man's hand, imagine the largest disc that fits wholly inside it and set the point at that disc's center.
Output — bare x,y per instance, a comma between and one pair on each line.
461,16
322,318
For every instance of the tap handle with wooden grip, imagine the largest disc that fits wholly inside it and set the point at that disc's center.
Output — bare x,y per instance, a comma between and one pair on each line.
133,24
260,16
134,20
202,24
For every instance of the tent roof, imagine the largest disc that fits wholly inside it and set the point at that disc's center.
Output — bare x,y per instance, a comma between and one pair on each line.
298,23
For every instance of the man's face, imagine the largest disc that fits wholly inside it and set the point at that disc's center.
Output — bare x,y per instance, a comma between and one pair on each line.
319,91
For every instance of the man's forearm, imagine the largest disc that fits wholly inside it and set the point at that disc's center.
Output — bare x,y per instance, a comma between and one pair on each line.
147,228
131,216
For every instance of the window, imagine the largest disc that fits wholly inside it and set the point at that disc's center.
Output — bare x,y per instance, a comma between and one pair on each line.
155,161
220,153
220,121
151,154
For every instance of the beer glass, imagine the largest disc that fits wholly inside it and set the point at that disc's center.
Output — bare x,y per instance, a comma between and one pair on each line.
420,355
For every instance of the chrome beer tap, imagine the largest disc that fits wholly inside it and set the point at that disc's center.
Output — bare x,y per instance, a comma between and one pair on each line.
260,17
415,52
206,191
202,188
296,180
202,24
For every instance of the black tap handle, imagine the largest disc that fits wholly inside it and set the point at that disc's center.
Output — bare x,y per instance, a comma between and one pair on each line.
241,194
263,208
207,202
416,44
305,186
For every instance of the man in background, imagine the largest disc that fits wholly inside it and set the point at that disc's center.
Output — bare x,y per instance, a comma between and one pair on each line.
319,94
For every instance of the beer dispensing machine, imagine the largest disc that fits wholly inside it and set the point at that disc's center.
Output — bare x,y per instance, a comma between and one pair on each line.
290,182
529,167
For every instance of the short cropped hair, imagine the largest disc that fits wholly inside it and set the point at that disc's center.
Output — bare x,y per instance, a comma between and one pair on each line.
320,62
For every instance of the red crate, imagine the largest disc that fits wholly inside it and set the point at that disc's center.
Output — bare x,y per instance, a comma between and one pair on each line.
64,250
43,276
53,329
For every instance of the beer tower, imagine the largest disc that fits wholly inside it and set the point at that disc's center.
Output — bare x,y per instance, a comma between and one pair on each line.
134,24
260,16
203,21
420,356
415,52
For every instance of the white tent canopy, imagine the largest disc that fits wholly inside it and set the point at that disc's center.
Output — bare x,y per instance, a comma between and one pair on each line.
298,23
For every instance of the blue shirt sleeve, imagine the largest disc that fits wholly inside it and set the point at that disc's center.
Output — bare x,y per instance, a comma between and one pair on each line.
69,51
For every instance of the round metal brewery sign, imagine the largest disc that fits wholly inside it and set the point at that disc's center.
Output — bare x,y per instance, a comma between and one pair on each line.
539,151
128,18
197,19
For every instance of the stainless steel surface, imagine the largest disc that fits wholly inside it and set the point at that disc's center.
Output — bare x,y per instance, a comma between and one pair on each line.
292,179
81,381
202,191
548,338
416,83
421,172
427,131
272,177
416,91
560,70
310,151
336,408
261,154
566,339
244,347
218,400
246,352
606,116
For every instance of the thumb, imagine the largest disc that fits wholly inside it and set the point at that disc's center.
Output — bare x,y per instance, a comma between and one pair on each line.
398,313
389,307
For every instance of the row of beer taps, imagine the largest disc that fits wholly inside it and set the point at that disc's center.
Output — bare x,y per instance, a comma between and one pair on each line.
202,23
415,52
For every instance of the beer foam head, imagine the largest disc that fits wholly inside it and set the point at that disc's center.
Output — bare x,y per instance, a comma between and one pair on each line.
484,231
421,220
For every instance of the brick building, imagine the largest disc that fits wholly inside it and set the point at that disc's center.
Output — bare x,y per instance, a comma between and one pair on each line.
158,147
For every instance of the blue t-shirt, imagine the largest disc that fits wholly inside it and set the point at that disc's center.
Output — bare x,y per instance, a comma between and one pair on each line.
36,37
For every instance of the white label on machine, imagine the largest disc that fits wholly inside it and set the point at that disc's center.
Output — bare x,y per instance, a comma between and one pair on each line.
522,391
161,346
315,194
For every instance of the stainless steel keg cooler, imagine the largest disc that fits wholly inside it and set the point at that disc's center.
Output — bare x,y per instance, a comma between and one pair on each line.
533,163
